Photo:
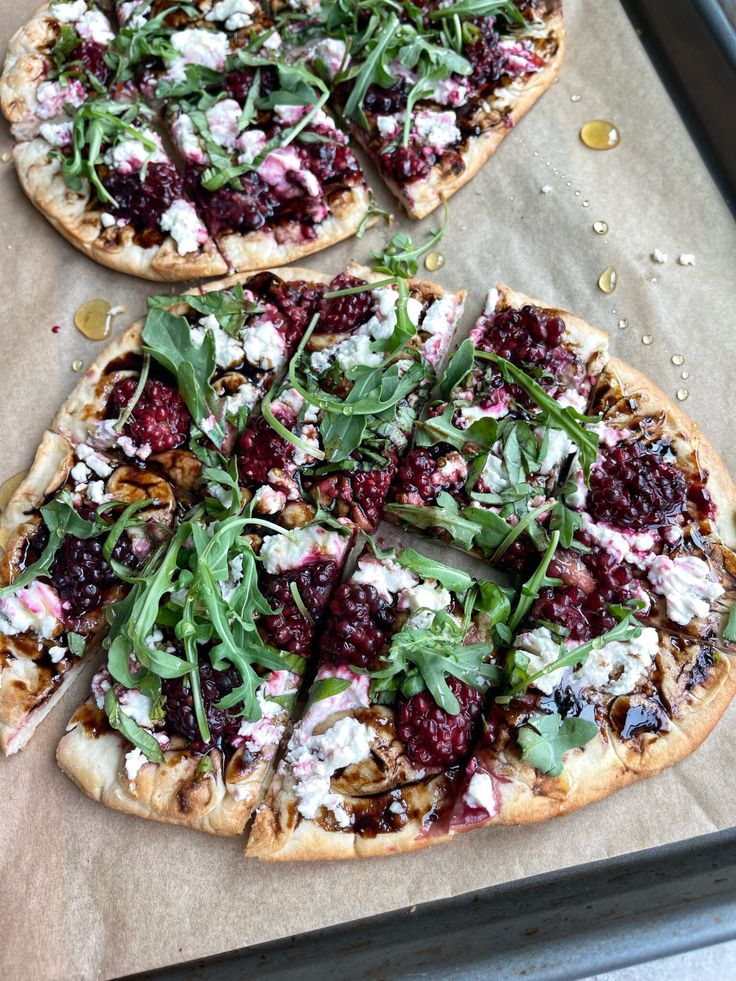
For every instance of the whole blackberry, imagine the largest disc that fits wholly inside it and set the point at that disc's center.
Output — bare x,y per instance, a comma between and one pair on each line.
80,573
230,210
143,202
418,480
179,707
261,449
159,418
369,488
296,301
289,628
634,487
344,314
431,736
357,629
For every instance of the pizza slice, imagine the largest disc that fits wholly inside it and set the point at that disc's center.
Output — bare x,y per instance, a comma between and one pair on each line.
371,768
54,63
186,717
108,186
431,94
485,466
75,531
271,174
333,434
621,659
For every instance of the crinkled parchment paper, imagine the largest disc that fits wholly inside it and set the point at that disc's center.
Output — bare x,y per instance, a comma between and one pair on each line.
87,893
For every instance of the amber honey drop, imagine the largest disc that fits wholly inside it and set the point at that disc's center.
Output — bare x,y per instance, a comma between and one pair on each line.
607,280
647,339
434,261
9,487
685,375
92,319
623,324
678,359
600,227
77,365
599,134
682,394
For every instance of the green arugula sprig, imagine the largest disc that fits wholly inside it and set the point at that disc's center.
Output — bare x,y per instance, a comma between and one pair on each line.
544,739
401,257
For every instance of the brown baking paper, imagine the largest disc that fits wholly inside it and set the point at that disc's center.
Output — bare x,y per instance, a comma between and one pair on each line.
85,892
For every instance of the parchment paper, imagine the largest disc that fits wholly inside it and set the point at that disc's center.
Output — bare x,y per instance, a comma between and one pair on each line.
87,893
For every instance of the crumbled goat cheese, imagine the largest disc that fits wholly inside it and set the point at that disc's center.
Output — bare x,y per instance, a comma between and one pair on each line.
265,346
222,122
134,760
686,585
438,129
198,47
658,256
480,793
184,226
228,350
35,608
686,259
295,548
386,575
57,134
235,13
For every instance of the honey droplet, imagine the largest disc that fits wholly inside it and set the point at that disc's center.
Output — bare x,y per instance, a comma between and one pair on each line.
77,365
678,359
434,261
607,280
6,157
586,204
599,134
647,339
575,98
92,320
9,487
578,193
685,375
682,394
623,324
600,227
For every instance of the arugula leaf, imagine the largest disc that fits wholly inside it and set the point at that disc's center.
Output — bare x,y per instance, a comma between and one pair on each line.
76,643
537,581
567,522
401,257
459,367
481,8
168,339
427,568
371,71
445,515
729,631
545,738
129,728
441,429
327,688
566,418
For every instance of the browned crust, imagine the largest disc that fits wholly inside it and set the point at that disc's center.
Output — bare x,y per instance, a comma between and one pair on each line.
423,197
26,66
309,841
261,250
686,434
172,793
73,217
607,764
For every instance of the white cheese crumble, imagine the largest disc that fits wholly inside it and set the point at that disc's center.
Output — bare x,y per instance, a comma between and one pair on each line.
494,478
386,575
134,760
94,26
136,706
331,52
57,134
198,47
51,97
35,608
388,126
438,322
480,793
356,696
686,585
453,469
222,122
250,143
438,129
132,13
266,500
658,256
294,549
57,653
69,13
235,13
187,140
686,259
615,668
183,224
559,448
356,350
383,323
492,298
246,397
624,547
264,344
228,350
424,596
313,764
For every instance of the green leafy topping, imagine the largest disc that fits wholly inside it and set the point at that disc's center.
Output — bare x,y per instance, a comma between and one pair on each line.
401,257
459,367
532,587
427,568
76,643
327,688
729,631
545,738
129,728
168,340
444,515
